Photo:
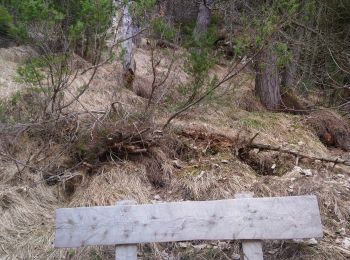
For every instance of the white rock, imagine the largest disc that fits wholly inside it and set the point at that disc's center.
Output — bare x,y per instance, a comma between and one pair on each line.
341,231
222,245
216,166
297,169
293,179
224,161
183,244
157,197
298,240
346,243
311,242
236,256
273,166
306,172
200,247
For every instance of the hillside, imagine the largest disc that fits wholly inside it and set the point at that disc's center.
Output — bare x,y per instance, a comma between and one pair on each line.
197,158
168,101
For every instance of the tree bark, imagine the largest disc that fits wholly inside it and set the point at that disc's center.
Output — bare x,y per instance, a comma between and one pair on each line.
267,86
203,18
129,64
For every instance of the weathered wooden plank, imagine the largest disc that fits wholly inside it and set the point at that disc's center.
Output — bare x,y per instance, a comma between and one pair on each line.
251,249
126,252
252,218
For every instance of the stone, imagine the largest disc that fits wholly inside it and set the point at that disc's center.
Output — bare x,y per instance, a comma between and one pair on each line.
346,243
224,161
297,169
222,245
200,246
311,242
306,172
184,244
341,231
157,197
318,161
236,256
216,166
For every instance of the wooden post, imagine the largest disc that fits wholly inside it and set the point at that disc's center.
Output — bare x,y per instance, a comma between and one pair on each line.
126,252
251,249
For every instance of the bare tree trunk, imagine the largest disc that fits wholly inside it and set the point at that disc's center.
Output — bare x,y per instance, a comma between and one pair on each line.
267,86
129,64
203,18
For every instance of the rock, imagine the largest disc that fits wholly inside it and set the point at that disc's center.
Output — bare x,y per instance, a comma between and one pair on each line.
184,244
224,161
341,231
293,179
298,240
346,243
306,172
157,197
216,166
200,247
273,166
318,161
311,242
297,169
222,245
290,188
236,256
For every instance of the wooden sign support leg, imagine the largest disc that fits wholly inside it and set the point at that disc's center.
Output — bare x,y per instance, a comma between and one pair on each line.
126,252
251,249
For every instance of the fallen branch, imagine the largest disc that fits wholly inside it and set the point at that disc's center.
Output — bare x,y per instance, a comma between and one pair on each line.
297,154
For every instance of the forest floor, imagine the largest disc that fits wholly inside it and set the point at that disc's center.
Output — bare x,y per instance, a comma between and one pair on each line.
205,166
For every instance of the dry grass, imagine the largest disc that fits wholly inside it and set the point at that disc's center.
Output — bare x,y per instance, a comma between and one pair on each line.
207,171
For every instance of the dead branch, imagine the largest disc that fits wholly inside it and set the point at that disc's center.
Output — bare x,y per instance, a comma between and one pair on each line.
266,147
